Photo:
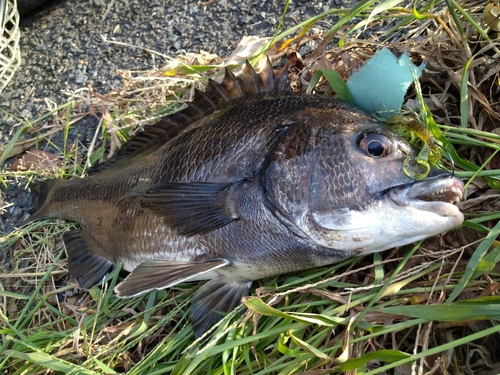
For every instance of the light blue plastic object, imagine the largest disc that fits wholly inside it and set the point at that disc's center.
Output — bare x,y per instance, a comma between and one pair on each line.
379,87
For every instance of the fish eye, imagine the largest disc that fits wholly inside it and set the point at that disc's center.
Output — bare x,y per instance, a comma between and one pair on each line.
376,145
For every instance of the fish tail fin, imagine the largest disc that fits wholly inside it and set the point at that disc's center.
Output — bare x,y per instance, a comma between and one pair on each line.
43,190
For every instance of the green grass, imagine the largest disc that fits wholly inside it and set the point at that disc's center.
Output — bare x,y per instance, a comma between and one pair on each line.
425,306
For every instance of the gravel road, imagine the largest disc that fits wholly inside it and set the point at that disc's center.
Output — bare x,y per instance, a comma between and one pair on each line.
68,46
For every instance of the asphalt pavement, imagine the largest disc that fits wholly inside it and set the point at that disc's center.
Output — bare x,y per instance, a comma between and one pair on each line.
68,45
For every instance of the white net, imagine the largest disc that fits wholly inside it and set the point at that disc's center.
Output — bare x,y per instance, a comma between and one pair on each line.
10,56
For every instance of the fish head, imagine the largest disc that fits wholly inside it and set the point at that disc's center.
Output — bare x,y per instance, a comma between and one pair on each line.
341,185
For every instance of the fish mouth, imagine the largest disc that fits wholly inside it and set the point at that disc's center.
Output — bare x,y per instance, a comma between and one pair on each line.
436,195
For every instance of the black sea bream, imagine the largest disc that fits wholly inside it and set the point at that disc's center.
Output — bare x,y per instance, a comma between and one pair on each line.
251,180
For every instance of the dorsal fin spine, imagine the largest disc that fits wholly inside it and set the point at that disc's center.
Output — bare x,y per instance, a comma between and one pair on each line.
203,100
250,80
248,83
216,96
267,78
233,85
217,93
281,82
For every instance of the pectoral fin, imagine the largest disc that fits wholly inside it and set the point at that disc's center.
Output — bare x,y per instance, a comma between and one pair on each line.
84,263
161,274
192,208
213,299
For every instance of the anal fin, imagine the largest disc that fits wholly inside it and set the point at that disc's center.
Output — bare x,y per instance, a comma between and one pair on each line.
212,300
84,263
161,274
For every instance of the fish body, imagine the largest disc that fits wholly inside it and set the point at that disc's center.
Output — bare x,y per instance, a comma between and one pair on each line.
249,181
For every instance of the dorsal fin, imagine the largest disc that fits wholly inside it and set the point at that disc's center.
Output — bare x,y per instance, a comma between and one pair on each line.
250,80
216,96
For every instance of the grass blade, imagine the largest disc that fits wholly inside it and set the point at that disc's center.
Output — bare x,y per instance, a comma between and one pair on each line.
464,95
474,261
48,362
456,312
379,355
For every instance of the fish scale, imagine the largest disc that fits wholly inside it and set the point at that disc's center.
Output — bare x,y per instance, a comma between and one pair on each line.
250,180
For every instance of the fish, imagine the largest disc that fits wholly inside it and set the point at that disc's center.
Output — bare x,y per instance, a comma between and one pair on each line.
250,180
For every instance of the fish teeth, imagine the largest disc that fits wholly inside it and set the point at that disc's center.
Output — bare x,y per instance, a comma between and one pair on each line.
456,192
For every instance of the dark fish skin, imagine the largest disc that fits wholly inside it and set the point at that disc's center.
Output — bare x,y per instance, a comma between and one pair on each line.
230,189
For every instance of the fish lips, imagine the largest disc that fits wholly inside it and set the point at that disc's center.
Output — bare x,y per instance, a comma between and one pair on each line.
435,194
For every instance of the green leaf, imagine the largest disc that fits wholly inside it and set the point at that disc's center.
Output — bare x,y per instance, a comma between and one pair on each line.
473,23
188,69
314,81
481,300
464,95
104,368
380,355
309,348
49,362
379,269
419,16
487,263
438,349
451,8
354,12
382,7
4,293
284,349
8,148
428,120
474,262
257,305
475,226
335,80
485,218
182,364
480,309
338,84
